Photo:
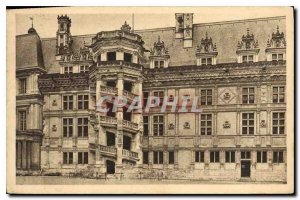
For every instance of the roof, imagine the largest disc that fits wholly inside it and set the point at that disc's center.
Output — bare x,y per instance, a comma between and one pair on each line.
29,51
226,35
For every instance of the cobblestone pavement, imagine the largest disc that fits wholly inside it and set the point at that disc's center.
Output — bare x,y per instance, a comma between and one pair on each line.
62,180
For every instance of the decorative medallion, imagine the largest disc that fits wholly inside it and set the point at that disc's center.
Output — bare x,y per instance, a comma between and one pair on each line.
226,124
186,125
263,124
54,128
226,96
54,103
171,126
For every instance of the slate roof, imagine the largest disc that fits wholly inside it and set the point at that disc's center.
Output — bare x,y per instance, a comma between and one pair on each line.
226,35
29,51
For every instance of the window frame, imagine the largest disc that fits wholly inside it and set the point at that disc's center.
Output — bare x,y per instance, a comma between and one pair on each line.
159,124
158,157
68,69
279,126
247,60
146,154
67,127
22,85
230,156
158,64
128,54
246,155
83,68
248,125
22,120
248,95
208,98
160,94
68,104
146,125
199,156
206,61
111,53
204,119
69,158
82,101
84,126
278,159
214,156
277,56
83,157
261,157
278,93
171,157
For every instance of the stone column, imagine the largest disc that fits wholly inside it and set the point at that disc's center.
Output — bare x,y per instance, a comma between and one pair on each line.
120,86
19,154
24,156
28,155
35,155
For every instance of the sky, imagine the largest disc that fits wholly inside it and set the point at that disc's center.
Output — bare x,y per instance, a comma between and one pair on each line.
86,21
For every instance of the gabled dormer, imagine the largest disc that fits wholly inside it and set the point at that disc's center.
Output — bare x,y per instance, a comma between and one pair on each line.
206,52
159,55
276,47
247,49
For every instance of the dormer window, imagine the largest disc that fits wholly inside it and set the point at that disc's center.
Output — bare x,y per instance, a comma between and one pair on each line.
247,49
206,52
277,56
159,64
68,70
206,61
127,57
84,68
111,56
248,58
276,47
159,55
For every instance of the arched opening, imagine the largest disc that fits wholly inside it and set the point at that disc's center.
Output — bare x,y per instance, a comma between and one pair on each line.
110,139
110,112
110,167
126,142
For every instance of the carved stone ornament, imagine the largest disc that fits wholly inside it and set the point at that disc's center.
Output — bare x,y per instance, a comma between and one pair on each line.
171,126
206,46
277,40
54,128
226,124
186,125
263,124
227,96
54,103
159,49
248,42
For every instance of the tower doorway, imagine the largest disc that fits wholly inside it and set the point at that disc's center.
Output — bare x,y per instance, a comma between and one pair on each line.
110,167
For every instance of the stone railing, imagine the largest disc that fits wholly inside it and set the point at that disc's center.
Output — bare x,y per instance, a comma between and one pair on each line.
108,90
130,154
129,95
119,63
108,120
108,149
130,125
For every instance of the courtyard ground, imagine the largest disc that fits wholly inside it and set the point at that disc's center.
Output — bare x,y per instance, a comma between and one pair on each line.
63,180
